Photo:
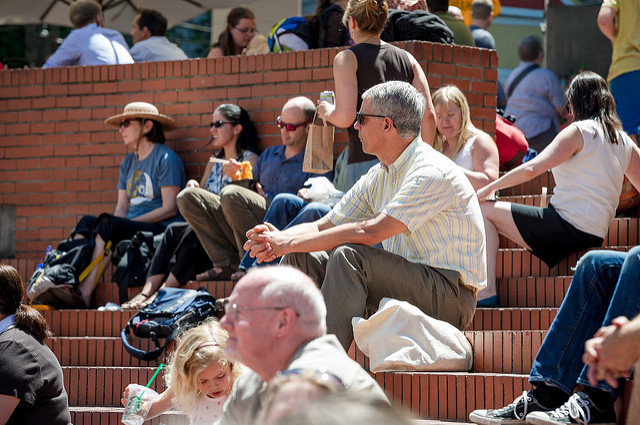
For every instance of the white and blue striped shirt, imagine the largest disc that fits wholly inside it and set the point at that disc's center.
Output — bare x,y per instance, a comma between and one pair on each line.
430,195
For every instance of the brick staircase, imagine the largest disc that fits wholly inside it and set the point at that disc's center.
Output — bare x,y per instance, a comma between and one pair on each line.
505,340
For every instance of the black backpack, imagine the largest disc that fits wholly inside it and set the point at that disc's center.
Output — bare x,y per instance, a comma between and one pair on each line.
403,25
133,258
173,309
55,281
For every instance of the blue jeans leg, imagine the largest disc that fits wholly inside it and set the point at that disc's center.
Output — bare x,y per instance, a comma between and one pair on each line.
311,212
625,302
581,314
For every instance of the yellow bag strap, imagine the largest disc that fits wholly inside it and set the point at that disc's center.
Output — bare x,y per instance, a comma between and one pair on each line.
98,259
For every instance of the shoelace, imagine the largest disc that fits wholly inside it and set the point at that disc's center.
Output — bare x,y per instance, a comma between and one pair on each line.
525,399
577,407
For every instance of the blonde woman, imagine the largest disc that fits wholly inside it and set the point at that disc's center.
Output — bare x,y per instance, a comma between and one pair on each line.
457,137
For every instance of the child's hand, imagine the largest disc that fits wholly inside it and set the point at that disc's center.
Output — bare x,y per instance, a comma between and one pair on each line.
125,395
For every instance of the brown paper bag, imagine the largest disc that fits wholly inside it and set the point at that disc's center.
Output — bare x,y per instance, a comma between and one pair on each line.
318,155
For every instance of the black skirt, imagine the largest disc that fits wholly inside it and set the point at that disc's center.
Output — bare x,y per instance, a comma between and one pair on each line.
550,237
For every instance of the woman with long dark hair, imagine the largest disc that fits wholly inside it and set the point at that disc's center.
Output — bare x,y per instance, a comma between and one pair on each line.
31,383
180,256
589,160
240,30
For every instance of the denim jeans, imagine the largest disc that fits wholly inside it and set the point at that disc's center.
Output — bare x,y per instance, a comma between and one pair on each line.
604,287
287,210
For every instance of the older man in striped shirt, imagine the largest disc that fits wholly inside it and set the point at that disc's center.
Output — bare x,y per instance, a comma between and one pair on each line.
416,202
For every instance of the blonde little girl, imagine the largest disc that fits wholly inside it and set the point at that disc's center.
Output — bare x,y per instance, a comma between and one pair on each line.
199,378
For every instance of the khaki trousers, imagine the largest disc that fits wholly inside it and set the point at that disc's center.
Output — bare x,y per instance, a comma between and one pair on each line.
243,209
203,211
354,278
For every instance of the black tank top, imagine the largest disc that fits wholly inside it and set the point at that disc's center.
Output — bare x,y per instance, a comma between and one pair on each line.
376,64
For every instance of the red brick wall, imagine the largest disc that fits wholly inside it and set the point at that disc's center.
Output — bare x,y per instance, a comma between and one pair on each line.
59,161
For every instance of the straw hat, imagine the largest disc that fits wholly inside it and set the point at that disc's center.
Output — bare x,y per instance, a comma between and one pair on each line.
142,110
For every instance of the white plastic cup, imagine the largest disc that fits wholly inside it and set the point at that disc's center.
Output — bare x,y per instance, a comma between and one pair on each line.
137,407
328,96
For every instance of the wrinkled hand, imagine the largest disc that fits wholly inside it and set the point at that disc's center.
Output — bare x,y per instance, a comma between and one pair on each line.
193,183
606,356
325,109
259,189
230,168
264,243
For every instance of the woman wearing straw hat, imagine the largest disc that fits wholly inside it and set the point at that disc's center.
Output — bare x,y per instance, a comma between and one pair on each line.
150,178
31,383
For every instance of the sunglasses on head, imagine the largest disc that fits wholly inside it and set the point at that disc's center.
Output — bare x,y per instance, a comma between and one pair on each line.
291,127
126,123
360,117
220,123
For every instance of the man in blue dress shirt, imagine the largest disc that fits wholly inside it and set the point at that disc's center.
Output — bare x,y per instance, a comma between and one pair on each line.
89,43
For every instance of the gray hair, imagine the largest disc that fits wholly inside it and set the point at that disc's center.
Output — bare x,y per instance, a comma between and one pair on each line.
401,102
292,288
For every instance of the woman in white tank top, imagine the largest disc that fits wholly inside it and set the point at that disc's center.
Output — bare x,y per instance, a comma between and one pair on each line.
458,139
589,160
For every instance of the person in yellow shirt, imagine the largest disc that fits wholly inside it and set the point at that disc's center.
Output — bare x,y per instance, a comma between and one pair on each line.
618,20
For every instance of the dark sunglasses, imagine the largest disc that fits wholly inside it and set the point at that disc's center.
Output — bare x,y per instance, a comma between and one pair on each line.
127,123
360,117
220,123
291,127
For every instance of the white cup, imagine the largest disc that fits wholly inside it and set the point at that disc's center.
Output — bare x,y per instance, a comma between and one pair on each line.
139,400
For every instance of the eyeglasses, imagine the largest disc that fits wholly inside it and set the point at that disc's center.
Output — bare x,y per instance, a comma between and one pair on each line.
220,123
127,123
245,30
291,127
233,310
360,117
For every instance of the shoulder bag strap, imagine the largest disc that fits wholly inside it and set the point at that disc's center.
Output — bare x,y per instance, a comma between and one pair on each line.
520,76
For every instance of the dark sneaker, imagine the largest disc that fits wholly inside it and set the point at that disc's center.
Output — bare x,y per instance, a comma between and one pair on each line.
579,409
514,413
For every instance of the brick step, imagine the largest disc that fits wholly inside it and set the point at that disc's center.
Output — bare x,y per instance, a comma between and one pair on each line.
86,415
99,351
622,231
519,262
428,395
107,291
526,303
532,291
513,318
450,395
102,386
494,351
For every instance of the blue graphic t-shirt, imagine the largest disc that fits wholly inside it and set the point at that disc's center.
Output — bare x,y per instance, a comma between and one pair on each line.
142,180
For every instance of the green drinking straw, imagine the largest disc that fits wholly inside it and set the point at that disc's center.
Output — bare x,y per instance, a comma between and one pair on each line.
137,405
153,377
